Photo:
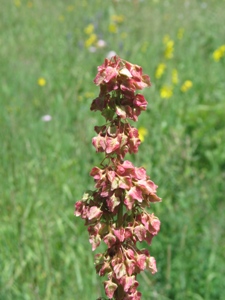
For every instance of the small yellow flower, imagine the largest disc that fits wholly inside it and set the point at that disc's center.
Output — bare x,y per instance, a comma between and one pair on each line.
166,39
41,81
166,92
91,40
168,53
175,76
142,131
160,70
186,86
219,53
180,33
117,18
17,3
113,28
89,29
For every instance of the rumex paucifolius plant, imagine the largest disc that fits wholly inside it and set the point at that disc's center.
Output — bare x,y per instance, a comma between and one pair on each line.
115,212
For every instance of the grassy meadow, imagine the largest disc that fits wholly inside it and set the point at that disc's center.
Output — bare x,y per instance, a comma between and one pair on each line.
49,53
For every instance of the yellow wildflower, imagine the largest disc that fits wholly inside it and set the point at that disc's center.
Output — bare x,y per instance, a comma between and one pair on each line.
91,40
186,86
168,53
219,53
117,18
41,81
142,131
175,76
113,28
166,92
89,29
160,70
166,39
17,3
180,33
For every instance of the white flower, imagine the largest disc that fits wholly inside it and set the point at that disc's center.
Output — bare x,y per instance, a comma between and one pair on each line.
111,54
46,118
101,43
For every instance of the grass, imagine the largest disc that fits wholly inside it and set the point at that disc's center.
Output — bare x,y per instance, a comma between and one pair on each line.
44,249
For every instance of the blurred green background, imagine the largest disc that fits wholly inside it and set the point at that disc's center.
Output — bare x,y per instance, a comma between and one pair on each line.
49,53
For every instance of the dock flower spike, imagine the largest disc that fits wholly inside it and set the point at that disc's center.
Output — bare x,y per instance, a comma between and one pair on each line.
115,211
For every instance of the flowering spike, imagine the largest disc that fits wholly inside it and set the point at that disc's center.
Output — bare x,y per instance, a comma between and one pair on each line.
115,211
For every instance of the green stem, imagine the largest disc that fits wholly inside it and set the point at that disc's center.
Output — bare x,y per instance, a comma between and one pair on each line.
119,294
120,214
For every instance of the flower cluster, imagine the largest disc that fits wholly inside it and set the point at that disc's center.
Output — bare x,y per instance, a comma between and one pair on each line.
115,21
123,79
219,53
169,47
142,131
92,42
167,90
186,86
160,70
115,212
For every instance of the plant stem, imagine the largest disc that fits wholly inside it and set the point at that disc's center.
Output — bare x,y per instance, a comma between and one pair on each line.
120,214
119,295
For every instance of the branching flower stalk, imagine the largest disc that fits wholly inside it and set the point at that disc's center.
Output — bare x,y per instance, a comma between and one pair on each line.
115,212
